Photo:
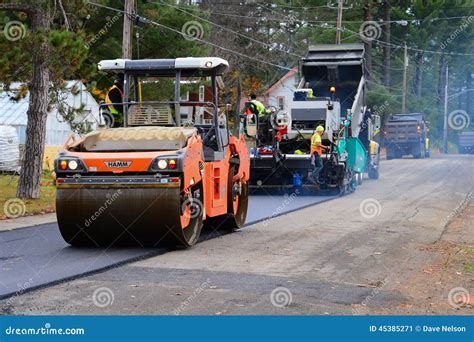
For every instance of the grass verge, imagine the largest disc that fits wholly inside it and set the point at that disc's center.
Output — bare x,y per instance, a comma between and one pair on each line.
45,204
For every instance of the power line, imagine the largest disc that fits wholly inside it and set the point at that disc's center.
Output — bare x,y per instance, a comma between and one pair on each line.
381,65
263,4
412,48
380,22
269,46
194,38
305,7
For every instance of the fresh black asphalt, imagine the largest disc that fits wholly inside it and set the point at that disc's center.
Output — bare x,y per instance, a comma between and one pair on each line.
37,256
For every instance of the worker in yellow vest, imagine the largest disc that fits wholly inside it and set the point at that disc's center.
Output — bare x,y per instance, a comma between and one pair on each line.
317,149
263,119
261,109
115,96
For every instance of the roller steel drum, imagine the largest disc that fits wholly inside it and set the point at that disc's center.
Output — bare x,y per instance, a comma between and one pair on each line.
125,215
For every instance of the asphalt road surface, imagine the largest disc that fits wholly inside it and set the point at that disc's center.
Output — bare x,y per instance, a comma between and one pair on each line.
36,256
324,259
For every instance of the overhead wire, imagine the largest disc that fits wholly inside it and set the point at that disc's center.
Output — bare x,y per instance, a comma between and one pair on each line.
194,38
412,48
269,46
380,22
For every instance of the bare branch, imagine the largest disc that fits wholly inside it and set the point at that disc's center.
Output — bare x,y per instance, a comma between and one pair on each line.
66,21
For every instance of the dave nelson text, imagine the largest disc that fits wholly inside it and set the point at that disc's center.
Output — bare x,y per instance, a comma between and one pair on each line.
443,328
418,328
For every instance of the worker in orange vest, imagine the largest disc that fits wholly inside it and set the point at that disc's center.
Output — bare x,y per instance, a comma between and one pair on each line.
317,149
115,96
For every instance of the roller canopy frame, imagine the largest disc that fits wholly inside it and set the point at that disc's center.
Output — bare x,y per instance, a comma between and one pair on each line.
212,67
189,66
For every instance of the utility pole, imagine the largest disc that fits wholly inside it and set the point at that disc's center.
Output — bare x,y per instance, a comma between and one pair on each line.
128,29
445,126
386,48
368,44
405,67
339,21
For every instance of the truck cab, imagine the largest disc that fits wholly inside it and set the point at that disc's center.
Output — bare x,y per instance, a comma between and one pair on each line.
407,134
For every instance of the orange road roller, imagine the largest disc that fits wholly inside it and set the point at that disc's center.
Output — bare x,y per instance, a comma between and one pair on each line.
171,167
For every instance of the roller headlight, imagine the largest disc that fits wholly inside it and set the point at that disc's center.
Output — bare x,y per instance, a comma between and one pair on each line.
67,164
166,163
162,164
72,165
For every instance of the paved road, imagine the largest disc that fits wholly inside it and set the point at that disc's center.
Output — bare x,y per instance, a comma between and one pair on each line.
36,256
333,258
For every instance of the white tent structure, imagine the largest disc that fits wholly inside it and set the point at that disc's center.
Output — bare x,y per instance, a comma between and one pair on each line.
13,113
9,151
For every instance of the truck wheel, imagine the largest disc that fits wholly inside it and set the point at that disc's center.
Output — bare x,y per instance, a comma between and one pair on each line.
348,183
374,173
390,154
359,177
353,184
417,152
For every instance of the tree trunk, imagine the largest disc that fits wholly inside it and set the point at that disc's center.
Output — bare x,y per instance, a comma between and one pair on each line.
368,45
386,64
418,74
32,165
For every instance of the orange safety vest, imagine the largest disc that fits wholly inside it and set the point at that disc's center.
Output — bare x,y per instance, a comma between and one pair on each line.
315,140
